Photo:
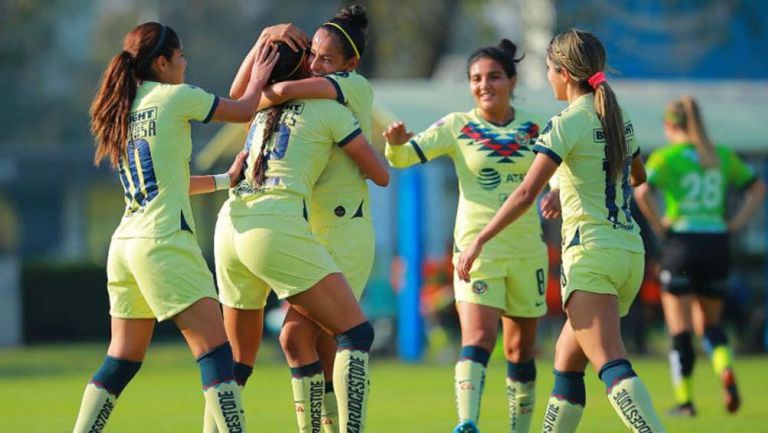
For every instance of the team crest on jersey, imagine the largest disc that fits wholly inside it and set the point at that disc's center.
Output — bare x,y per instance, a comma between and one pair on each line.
479,287
504,146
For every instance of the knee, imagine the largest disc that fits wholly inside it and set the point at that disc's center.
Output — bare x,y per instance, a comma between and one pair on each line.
517,352
290,343
482,337
115,374
359,338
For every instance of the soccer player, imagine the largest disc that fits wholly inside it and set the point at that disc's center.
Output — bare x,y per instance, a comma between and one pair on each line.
491,147
263,240
155,270
339,214
592,142
694,176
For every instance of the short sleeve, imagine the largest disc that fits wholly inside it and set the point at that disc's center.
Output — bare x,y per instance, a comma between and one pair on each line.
554,141
356,93
632,143
656,168
740,174
343,126
194,103
437,140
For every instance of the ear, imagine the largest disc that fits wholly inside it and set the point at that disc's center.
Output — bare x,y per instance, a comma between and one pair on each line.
159,64
513,81
566,75
351,64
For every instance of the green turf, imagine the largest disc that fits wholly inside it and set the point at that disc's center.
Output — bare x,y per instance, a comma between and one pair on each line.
40,390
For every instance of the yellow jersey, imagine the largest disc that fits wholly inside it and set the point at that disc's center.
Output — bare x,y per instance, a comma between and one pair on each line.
595,209
154,172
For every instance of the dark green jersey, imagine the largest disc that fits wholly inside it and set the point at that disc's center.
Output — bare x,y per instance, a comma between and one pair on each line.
694,197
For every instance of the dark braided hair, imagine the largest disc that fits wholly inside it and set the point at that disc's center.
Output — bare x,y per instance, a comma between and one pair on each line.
290,66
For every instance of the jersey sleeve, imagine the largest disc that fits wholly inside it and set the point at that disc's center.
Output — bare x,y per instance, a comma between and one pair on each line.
632,144
437,140
355,92
656,168
555,141
739,173
194,103
342,125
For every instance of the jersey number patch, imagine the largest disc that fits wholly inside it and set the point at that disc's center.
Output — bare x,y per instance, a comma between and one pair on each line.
139,183
704,190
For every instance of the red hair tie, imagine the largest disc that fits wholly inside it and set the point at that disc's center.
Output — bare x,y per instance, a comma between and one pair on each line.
596,79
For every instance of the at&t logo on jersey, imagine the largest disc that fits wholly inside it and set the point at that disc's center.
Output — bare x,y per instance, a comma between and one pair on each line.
506,146
489,179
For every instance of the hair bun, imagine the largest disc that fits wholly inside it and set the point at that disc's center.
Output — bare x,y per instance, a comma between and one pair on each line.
355,14
509,47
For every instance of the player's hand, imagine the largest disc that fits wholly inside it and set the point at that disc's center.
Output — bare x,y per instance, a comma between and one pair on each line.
466,259
263,62
396,134
235,172
550,205
293,36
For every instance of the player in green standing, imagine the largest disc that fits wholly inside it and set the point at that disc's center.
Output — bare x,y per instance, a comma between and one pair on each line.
491,147
694,176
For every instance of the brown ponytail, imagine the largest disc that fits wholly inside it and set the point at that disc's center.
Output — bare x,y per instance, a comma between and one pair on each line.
110,109
609,113
684,114
583,56
112,104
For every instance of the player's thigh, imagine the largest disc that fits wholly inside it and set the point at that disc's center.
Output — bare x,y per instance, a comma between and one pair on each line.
526,281
595,321
330,303
130,338
353,247
479,324
202,326
239,288
171,273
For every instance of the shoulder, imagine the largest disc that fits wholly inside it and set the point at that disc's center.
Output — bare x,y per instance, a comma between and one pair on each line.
449,122
351,78
726,151
323,108
570,120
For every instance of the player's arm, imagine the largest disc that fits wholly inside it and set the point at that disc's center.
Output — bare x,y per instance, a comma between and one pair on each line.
753,198
538,175
293,36
370,163
646,202
215,182
637,174
308,88
244,107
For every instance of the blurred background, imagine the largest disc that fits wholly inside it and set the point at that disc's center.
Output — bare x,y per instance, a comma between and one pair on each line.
57,211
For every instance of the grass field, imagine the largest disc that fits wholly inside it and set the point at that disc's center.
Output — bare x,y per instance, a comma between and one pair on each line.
40,389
